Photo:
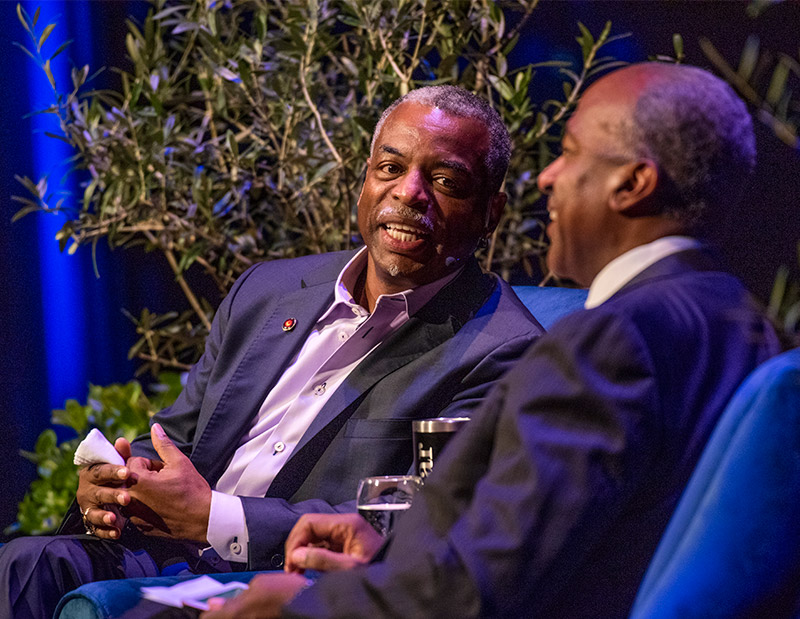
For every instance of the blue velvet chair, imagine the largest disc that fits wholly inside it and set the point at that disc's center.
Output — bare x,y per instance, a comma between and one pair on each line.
121,598
732,548
548,303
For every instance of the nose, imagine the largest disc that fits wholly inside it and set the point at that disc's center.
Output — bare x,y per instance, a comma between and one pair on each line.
413,190
547,177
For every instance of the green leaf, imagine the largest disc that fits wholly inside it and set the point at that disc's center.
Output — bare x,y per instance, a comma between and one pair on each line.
350,66
61,48
322,171
22,15
502,66
45,33
502,86
777,84
749,58
585,40
133,49
233,145
677,45
228,74
26,50
167,12
32,208
603,38
49,74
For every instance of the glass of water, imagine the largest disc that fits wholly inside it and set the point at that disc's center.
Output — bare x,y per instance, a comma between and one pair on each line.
382,499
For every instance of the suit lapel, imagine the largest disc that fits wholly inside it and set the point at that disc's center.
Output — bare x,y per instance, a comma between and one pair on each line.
433,324
269,353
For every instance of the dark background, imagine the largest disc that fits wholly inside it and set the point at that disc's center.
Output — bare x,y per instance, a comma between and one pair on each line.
61,328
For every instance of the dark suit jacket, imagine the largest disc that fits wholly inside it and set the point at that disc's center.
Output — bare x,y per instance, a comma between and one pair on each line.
551,502
442,362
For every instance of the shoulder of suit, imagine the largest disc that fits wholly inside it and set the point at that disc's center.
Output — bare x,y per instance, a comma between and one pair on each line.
509,301
502,313
305,262
292,269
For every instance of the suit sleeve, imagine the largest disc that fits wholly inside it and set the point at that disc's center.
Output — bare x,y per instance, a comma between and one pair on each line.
269,520
180,420
513,505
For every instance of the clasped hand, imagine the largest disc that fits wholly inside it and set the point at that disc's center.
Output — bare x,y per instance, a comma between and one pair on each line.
166,497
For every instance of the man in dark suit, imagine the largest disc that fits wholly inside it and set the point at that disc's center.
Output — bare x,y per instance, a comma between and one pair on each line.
551,502
313,370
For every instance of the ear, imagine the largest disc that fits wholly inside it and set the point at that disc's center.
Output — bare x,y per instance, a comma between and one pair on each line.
634,186
494,211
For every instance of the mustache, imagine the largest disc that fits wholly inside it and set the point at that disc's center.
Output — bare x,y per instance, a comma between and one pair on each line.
407,214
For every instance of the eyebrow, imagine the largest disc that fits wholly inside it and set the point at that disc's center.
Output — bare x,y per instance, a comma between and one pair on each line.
454,165
390,149
450,164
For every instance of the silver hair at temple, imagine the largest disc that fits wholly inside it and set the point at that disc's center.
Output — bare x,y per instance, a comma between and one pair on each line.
700,134
464,104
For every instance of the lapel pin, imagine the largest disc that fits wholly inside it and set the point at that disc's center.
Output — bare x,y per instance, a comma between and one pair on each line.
289,324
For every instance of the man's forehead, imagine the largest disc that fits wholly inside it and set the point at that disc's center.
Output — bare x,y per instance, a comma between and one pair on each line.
600,113
413,125
431,118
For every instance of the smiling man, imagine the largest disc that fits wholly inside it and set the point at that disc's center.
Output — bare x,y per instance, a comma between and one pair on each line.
313,371
418,148
551,502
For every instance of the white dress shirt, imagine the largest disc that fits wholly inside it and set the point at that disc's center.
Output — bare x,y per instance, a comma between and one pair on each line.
344,335
624,268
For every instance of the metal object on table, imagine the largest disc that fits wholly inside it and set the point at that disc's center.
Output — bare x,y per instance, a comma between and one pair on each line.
429,438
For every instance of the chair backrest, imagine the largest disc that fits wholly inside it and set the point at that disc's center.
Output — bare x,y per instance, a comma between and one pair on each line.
548,303
732,547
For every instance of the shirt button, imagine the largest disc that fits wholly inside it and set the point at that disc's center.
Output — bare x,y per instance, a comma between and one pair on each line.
278,447
356,311
236,548
319,389
277,561
342,335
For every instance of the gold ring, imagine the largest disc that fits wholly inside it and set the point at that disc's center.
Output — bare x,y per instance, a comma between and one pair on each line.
87,526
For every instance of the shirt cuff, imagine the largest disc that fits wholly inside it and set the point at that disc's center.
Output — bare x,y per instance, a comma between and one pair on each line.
227,528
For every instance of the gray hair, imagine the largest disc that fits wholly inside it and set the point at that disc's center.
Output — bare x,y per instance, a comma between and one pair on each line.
700,134
464,104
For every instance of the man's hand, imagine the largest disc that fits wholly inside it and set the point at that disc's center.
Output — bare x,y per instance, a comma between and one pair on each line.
330,542
101,489
267,594
168,497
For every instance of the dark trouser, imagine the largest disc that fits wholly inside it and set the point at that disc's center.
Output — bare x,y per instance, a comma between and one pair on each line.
36,571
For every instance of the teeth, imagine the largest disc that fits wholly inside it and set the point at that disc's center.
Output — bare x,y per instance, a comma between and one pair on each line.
402,233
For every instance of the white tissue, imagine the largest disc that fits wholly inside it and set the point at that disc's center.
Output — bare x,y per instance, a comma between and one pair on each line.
95,449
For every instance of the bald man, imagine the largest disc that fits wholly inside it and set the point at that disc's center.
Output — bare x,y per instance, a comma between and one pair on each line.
551,502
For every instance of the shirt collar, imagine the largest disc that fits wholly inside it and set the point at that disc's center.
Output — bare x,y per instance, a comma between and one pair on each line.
624,268
413,298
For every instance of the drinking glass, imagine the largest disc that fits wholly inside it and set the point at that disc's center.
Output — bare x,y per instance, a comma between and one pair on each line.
382,499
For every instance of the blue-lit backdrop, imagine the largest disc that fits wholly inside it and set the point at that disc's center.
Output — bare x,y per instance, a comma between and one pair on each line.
60,326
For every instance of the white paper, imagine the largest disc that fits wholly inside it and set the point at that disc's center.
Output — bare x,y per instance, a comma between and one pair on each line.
96,448
192,592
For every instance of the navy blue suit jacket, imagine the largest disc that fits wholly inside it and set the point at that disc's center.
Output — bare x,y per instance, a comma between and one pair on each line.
442,362
551,502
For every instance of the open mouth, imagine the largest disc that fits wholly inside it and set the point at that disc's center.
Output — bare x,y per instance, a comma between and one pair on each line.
403,233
